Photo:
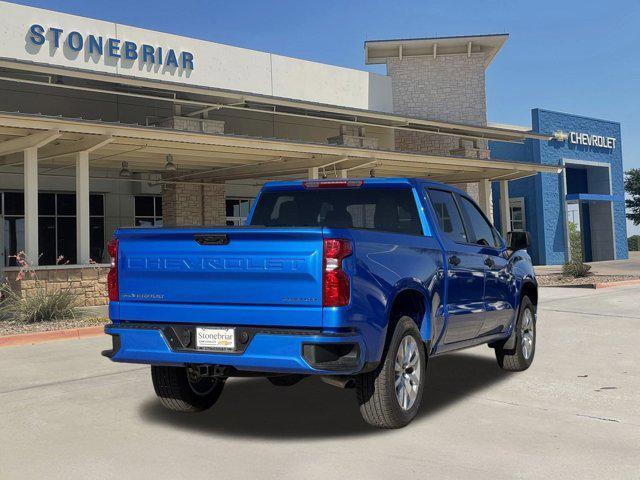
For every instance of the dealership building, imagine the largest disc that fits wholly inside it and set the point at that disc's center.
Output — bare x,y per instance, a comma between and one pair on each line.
104,125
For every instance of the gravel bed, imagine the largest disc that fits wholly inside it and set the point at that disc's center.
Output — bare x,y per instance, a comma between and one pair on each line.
8,327
562,281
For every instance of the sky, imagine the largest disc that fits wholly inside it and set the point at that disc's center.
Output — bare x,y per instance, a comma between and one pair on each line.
575,56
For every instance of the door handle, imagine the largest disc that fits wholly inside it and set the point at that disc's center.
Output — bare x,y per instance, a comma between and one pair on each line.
211,239
453,260
489,262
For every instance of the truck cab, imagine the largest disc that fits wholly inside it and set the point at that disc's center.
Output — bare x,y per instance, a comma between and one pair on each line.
358,281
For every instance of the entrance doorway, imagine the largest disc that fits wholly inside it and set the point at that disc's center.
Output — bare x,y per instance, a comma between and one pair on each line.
589,212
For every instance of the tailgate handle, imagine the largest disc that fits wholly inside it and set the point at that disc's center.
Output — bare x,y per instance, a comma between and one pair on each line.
212,239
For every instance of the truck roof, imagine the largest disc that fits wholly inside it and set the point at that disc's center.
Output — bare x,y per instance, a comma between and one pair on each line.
364,182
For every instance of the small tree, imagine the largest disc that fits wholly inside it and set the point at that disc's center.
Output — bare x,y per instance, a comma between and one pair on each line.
575,243
632,187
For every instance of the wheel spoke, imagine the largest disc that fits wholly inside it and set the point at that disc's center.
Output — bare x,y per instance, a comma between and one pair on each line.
400,355
398,366
413,361
527,345
412,392
411,350
407,372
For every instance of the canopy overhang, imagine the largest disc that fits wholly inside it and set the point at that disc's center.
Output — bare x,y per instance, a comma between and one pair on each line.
196,100
205,157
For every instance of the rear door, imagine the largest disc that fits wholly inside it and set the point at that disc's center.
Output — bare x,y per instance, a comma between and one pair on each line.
498,279
465,267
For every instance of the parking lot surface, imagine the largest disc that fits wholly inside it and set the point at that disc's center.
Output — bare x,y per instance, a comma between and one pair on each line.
66,412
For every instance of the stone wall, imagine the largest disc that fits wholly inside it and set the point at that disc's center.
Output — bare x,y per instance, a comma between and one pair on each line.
352,136
449,88
213,204
187,204
89,284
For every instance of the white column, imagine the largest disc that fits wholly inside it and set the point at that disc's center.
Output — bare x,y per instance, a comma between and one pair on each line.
31,205
505,211
82,207
314,173
484,197
344,173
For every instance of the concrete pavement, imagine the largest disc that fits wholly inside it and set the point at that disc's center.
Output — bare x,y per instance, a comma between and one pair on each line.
66,412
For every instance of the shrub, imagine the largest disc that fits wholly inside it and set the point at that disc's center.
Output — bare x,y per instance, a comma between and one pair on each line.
576,269
38,306
575,242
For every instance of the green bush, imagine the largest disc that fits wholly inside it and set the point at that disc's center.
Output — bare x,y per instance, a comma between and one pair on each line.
575,242
634,243
38,306
576,269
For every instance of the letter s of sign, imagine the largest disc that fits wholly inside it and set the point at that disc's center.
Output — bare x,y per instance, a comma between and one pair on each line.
37,36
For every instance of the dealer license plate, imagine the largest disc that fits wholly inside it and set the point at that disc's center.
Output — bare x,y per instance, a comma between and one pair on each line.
216,338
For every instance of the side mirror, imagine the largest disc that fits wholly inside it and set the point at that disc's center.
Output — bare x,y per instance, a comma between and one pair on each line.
518,240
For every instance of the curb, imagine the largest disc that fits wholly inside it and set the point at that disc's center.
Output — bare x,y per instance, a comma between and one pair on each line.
49,336
595,286
615,284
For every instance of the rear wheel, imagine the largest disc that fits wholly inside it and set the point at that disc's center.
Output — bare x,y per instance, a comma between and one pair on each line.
179,391
390,396
518,356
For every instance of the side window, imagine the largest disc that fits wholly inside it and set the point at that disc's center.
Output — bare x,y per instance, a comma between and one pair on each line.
482,231
448,215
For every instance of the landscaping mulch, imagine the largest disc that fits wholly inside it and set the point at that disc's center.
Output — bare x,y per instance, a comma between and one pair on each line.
8,327
558,280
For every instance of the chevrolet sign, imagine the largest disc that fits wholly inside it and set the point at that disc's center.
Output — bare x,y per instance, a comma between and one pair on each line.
592,140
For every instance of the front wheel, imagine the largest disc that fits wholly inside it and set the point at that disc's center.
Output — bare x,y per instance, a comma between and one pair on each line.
181,392
517,353
390,396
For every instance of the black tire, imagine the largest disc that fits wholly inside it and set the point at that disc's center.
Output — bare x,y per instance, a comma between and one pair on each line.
512,355
285,380
176,392
376,390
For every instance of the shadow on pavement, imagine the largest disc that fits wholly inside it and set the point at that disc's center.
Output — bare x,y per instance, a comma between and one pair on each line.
255,408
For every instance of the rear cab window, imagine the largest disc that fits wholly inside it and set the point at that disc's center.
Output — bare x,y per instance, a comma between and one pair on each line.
384,209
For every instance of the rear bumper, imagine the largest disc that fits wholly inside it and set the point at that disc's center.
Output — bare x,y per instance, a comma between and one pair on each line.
266,350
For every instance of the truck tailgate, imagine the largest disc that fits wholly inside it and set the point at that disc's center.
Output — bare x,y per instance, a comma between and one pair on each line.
210,273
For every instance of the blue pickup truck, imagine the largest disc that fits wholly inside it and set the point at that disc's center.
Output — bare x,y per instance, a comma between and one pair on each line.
356,281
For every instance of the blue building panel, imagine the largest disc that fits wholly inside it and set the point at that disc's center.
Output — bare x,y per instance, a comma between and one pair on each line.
591,146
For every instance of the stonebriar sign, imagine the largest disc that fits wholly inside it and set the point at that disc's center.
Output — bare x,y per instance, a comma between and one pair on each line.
34,39
115,48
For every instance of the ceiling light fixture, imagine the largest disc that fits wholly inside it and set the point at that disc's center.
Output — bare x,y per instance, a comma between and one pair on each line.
124,171
170,166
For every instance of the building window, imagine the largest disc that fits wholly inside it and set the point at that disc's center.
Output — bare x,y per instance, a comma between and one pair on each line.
238,210
518,223
148,210
56,227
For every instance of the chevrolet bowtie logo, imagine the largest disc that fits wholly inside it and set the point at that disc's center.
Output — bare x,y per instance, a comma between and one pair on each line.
560,135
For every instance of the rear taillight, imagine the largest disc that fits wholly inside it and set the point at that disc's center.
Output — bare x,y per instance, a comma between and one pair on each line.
335,282
112,277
